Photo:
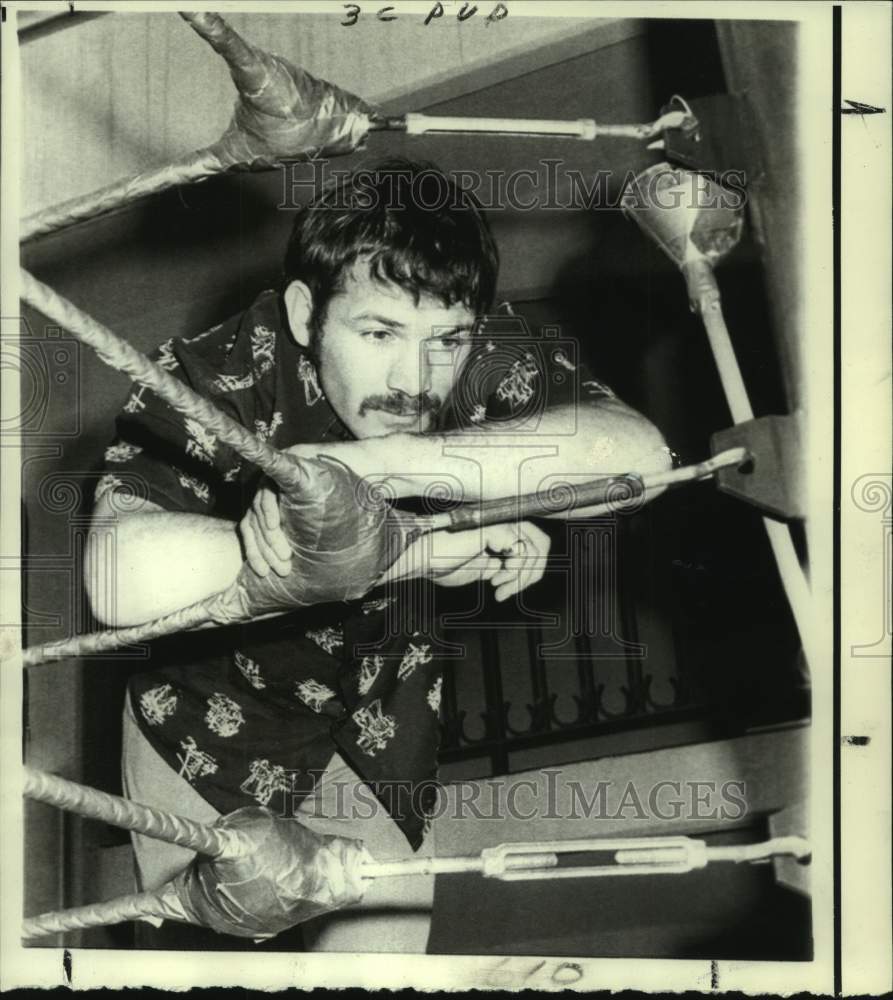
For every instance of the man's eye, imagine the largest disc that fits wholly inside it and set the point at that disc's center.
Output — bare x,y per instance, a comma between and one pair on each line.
378,335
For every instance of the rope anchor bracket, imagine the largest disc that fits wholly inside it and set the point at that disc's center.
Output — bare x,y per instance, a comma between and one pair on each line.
772,479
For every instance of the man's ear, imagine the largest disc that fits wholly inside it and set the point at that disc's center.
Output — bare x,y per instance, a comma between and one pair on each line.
299,308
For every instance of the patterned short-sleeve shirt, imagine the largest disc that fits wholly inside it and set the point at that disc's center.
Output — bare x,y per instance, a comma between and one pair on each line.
258,722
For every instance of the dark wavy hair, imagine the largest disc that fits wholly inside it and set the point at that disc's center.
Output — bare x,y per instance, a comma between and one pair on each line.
417,228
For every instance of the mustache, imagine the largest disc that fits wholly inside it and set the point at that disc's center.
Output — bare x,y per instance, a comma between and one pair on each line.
400,405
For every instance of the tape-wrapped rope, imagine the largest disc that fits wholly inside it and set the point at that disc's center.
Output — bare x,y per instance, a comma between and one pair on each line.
163,905
127,815
121,356
282,114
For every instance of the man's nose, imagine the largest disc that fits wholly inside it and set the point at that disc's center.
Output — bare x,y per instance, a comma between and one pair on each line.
411,373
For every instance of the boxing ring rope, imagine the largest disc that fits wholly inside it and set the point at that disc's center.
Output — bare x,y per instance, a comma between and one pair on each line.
525,861
136,906
197,166
118,354
283,114
133,816
287,472
611,492
205,163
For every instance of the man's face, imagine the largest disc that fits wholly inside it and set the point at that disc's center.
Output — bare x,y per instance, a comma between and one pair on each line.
386,364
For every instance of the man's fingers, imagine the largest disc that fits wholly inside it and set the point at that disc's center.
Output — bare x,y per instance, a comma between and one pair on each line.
491,569
510,580
281,567
275,541
515,578
270,503
505,572
252,553
266,506
278,544
515,582
260,555
472,572
525,561
500,537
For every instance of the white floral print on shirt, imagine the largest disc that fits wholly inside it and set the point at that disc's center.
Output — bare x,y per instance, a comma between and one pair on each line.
413,657
158,704
328,638
376,728
313,693
370,667
249,670
434,696
224,716
121,451
195,763
264,780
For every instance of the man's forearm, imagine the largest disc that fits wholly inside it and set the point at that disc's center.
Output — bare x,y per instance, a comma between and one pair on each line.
144,565
567,444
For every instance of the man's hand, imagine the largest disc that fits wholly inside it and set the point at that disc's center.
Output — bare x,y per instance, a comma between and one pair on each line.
508,556
266,547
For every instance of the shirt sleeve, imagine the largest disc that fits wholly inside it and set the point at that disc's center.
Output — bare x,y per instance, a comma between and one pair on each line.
171,460
516,376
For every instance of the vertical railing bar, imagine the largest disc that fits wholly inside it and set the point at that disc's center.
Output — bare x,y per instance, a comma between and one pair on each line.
586,637
450,704
629,623
539,683
493,700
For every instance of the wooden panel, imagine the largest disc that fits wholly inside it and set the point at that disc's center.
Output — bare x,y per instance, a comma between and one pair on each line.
760,61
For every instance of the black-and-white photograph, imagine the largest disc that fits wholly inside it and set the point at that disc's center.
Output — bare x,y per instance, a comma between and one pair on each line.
423,473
